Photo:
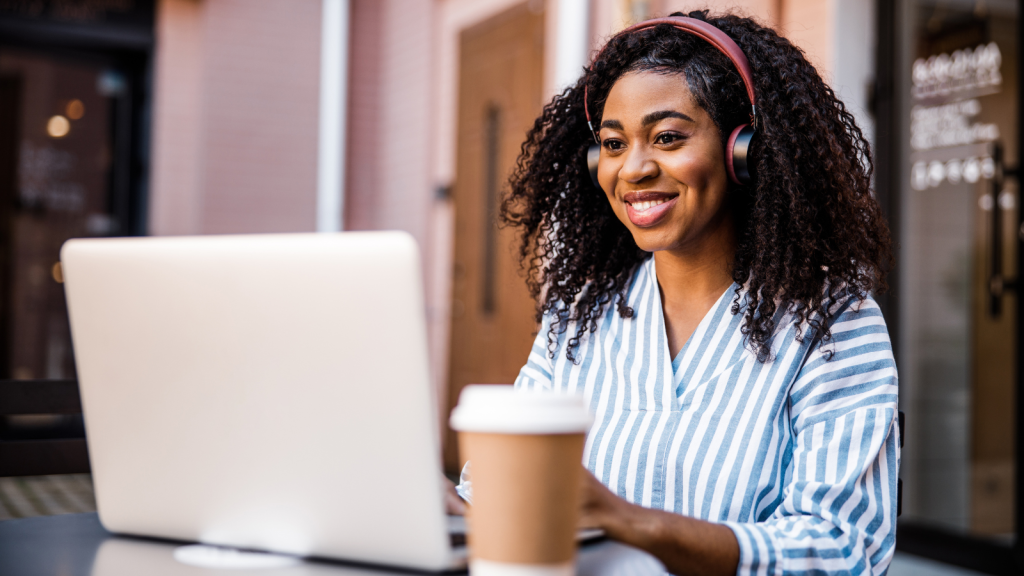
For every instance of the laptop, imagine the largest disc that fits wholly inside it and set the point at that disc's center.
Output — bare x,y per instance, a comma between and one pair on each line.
266,392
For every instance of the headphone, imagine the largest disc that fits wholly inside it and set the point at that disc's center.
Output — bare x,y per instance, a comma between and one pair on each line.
737,149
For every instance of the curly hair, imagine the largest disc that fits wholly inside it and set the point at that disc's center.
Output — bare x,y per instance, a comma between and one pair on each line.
810,234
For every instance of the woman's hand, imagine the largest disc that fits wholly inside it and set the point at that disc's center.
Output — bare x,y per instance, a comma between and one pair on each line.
453,503
602,509
684,545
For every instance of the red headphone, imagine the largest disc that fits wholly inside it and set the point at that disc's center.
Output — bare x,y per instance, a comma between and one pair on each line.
737,149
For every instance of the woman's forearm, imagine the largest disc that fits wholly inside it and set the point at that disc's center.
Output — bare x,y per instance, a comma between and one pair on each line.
684,545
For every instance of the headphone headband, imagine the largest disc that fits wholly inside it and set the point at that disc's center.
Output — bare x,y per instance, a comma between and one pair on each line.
709,33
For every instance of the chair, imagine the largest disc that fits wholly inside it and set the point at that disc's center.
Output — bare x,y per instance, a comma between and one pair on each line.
41,429
899,481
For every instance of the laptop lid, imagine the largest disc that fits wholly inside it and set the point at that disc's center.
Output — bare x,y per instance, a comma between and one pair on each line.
263,391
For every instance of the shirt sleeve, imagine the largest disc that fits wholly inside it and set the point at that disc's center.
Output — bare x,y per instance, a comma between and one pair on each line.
838,510
536,373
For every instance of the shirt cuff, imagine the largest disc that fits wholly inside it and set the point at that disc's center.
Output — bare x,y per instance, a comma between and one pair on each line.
760,553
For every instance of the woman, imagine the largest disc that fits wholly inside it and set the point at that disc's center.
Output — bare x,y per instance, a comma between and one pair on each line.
740,372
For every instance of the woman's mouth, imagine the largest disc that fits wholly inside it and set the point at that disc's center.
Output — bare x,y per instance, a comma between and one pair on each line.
648,208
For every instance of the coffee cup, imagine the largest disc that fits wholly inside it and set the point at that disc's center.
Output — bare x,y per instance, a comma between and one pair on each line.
525,448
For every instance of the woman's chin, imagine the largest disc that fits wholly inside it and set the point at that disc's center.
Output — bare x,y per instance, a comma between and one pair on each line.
652,240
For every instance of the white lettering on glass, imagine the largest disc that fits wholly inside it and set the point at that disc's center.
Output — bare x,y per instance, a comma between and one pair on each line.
966,70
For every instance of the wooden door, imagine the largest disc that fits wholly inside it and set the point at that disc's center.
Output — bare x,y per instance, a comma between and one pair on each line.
499,98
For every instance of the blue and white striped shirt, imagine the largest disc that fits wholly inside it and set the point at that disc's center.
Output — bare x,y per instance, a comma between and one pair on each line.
798,456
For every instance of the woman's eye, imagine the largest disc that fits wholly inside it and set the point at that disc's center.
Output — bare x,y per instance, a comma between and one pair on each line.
612,145
668,138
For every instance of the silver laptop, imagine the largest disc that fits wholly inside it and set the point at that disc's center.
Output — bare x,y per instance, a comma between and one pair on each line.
267,392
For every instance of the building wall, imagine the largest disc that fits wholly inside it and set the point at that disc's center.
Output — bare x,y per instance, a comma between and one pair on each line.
235,116
390,183
364,115
852,64
175,197
810,25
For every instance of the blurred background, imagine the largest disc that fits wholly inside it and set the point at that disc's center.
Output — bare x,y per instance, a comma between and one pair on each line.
169,117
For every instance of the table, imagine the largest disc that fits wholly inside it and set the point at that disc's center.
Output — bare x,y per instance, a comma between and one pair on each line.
77,545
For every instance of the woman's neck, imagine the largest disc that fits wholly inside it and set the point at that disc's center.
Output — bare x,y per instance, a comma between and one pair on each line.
692,279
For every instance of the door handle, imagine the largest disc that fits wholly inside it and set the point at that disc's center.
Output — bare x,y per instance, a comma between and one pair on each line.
998,283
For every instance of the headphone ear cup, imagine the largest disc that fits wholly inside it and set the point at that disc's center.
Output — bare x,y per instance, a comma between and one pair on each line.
737,155
593,156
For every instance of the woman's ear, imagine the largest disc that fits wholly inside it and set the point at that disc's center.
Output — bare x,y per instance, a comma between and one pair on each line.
593,157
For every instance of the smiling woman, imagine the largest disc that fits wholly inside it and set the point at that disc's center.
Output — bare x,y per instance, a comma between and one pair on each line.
743,381
662,169
664,140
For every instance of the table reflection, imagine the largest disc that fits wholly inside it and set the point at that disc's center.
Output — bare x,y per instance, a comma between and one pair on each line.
119,556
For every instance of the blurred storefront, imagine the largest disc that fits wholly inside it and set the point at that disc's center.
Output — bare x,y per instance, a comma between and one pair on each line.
948,109
73,147
230,116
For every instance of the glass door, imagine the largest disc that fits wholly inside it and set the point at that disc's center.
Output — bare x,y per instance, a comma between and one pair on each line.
959,228
66,176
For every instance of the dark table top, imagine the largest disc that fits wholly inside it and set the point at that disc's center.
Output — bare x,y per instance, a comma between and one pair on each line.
77,545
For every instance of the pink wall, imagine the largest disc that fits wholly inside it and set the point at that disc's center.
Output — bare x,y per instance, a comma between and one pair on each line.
236,121
365,108
389,183
808,24
175,197
235,116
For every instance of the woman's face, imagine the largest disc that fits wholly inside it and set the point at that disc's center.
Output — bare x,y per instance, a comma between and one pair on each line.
662,165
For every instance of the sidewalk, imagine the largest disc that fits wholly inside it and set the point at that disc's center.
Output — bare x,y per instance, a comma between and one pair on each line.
22,497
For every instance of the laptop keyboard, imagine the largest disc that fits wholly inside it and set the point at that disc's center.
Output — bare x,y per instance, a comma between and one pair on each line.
458,539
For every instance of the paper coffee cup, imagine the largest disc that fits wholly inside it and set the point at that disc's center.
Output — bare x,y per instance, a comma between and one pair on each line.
526,449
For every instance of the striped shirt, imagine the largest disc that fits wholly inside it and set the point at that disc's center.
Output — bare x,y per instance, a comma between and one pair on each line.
798,455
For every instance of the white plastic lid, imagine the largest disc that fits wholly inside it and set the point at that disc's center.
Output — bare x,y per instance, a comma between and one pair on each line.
503,410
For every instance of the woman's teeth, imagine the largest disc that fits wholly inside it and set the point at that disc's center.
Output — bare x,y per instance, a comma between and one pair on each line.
644,206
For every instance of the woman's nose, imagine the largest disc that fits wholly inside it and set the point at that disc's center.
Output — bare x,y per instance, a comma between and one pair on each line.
638,165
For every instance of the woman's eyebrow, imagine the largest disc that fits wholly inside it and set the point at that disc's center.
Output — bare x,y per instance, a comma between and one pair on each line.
649,119
662,114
